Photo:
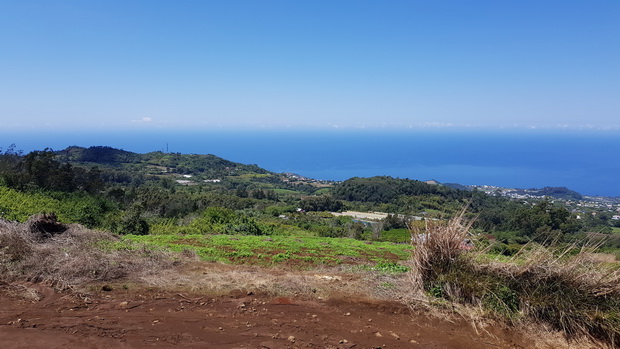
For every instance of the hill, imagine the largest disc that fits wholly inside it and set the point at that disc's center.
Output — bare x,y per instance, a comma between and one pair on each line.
561,193
208,165
385,189
554,192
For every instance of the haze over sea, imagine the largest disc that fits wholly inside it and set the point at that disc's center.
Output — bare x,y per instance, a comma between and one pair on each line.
585,161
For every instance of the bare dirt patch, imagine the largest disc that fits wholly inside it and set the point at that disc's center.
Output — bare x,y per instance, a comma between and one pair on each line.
362,215
156,319
240,315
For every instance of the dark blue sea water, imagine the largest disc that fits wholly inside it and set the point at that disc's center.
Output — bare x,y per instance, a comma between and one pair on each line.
585,161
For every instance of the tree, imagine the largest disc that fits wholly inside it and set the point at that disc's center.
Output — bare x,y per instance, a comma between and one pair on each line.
321,203
393,221
545,222
132,223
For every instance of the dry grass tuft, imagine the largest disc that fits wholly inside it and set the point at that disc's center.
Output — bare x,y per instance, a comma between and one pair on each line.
566,290
438,246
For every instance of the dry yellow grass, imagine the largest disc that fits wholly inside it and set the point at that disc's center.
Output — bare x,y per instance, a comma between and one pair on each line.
69,258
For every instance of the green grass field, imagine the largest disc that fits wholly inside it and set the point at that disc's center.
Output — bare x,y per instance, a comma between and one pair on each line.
297,252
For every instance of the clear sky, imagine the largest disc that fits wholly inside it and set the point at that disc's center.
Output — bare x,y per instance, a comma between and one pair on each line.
105,64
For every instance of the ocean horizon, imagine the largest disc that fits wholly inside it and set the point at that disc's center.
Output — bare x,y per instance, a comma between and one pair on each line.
584,161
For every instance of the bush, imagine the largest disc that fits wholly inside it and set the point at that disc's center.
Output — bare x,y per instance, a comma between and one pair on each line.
130,222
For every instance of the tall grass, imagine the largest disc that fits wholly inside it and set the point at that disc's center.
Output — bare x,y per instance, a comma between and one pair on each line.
438,248
565,290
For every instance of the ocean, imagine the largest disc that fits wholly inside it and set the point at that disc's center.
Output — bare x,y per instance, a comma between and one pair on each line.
585,161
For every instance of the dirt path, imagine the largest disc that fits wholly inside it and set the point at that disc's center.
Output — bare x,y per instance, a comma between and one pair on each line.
362,215
122,319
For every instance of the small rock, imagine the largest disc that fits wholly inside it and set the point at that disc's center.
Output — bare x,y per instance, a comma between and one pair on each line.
291,339
123,304
343,341
378,334
347,314
413,341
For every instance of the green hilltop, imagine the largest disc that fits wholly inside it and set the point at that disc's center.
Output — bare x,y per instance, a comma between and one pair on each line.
164,162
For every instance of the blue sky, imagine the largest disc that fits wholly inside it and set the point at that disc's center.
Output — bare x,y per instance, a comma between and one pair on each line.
309,64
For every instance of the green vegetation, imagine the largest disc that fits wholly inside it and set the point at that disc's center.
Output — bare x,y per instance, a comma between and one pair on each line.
289,250
69,207
129,193
515,221
396,235
388,267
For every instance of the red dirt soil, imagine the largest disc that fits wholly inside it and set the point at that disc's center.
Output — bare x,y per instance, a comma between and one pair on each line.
147,318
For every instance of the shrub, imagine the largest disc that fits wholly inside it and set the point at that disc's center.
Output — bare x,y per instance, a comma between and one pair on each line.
132,223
